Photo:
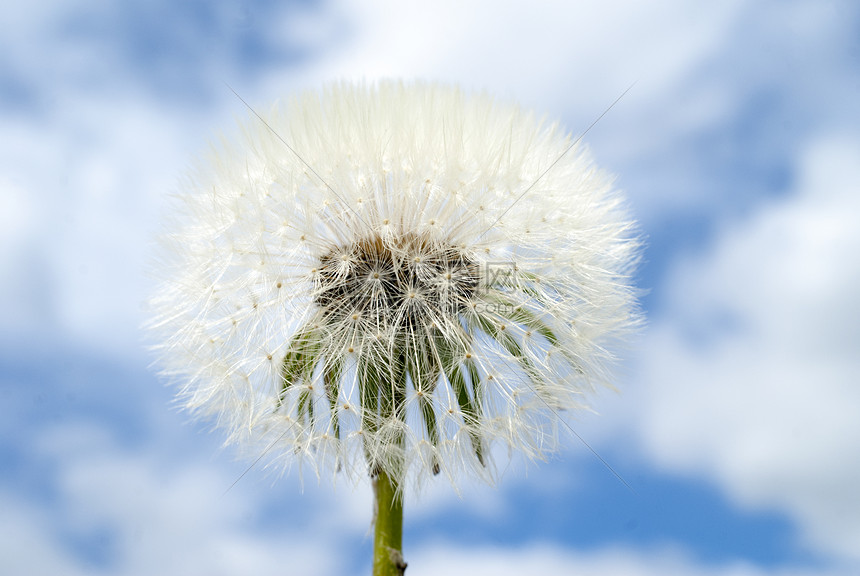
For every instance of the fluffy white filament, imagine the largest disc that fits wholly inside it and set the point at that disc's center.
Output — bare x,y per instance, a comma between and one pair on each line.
400,242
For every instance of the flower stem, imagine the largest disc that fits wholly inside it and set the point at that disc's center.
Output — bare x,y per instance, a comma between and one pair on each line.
388,533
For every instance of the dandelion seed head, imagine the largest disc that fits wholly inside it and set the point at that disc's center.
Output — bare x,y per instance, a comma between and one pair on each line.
424,309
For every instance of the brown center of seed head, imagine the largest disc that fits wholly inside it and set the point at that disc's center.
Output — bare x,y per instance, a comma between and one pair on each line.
406,282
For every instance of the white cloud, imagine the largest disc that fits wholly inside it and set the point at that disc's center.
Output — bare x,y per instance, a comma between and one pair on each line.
751,373
80,188
25,297
159,517
26,546
542,559
541,52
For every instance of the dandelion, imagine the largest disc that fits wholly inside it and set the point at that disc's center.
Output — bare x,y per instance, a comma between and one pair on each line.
389,281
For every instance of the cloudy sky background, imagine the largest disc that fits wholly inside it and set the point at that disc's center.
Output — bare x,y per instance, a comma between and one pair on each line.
739,148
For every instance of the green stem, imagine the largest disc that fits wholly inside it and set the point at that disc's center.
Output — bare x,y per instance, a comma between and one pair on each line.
388,533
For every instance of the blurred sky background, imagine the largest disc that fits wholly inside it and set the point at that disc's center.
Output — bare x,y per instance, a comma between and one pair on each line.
737,423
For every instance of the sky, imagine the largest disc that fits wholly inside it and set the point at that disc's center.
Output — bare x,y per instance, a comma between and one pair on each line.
735,424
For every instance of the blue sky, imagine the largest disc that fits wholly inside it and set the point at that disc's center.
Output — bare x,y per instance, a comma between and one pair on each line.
739,148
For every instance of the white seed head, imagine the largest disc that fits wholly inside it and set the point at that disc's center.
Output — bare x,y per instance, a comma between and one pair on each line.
388,297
